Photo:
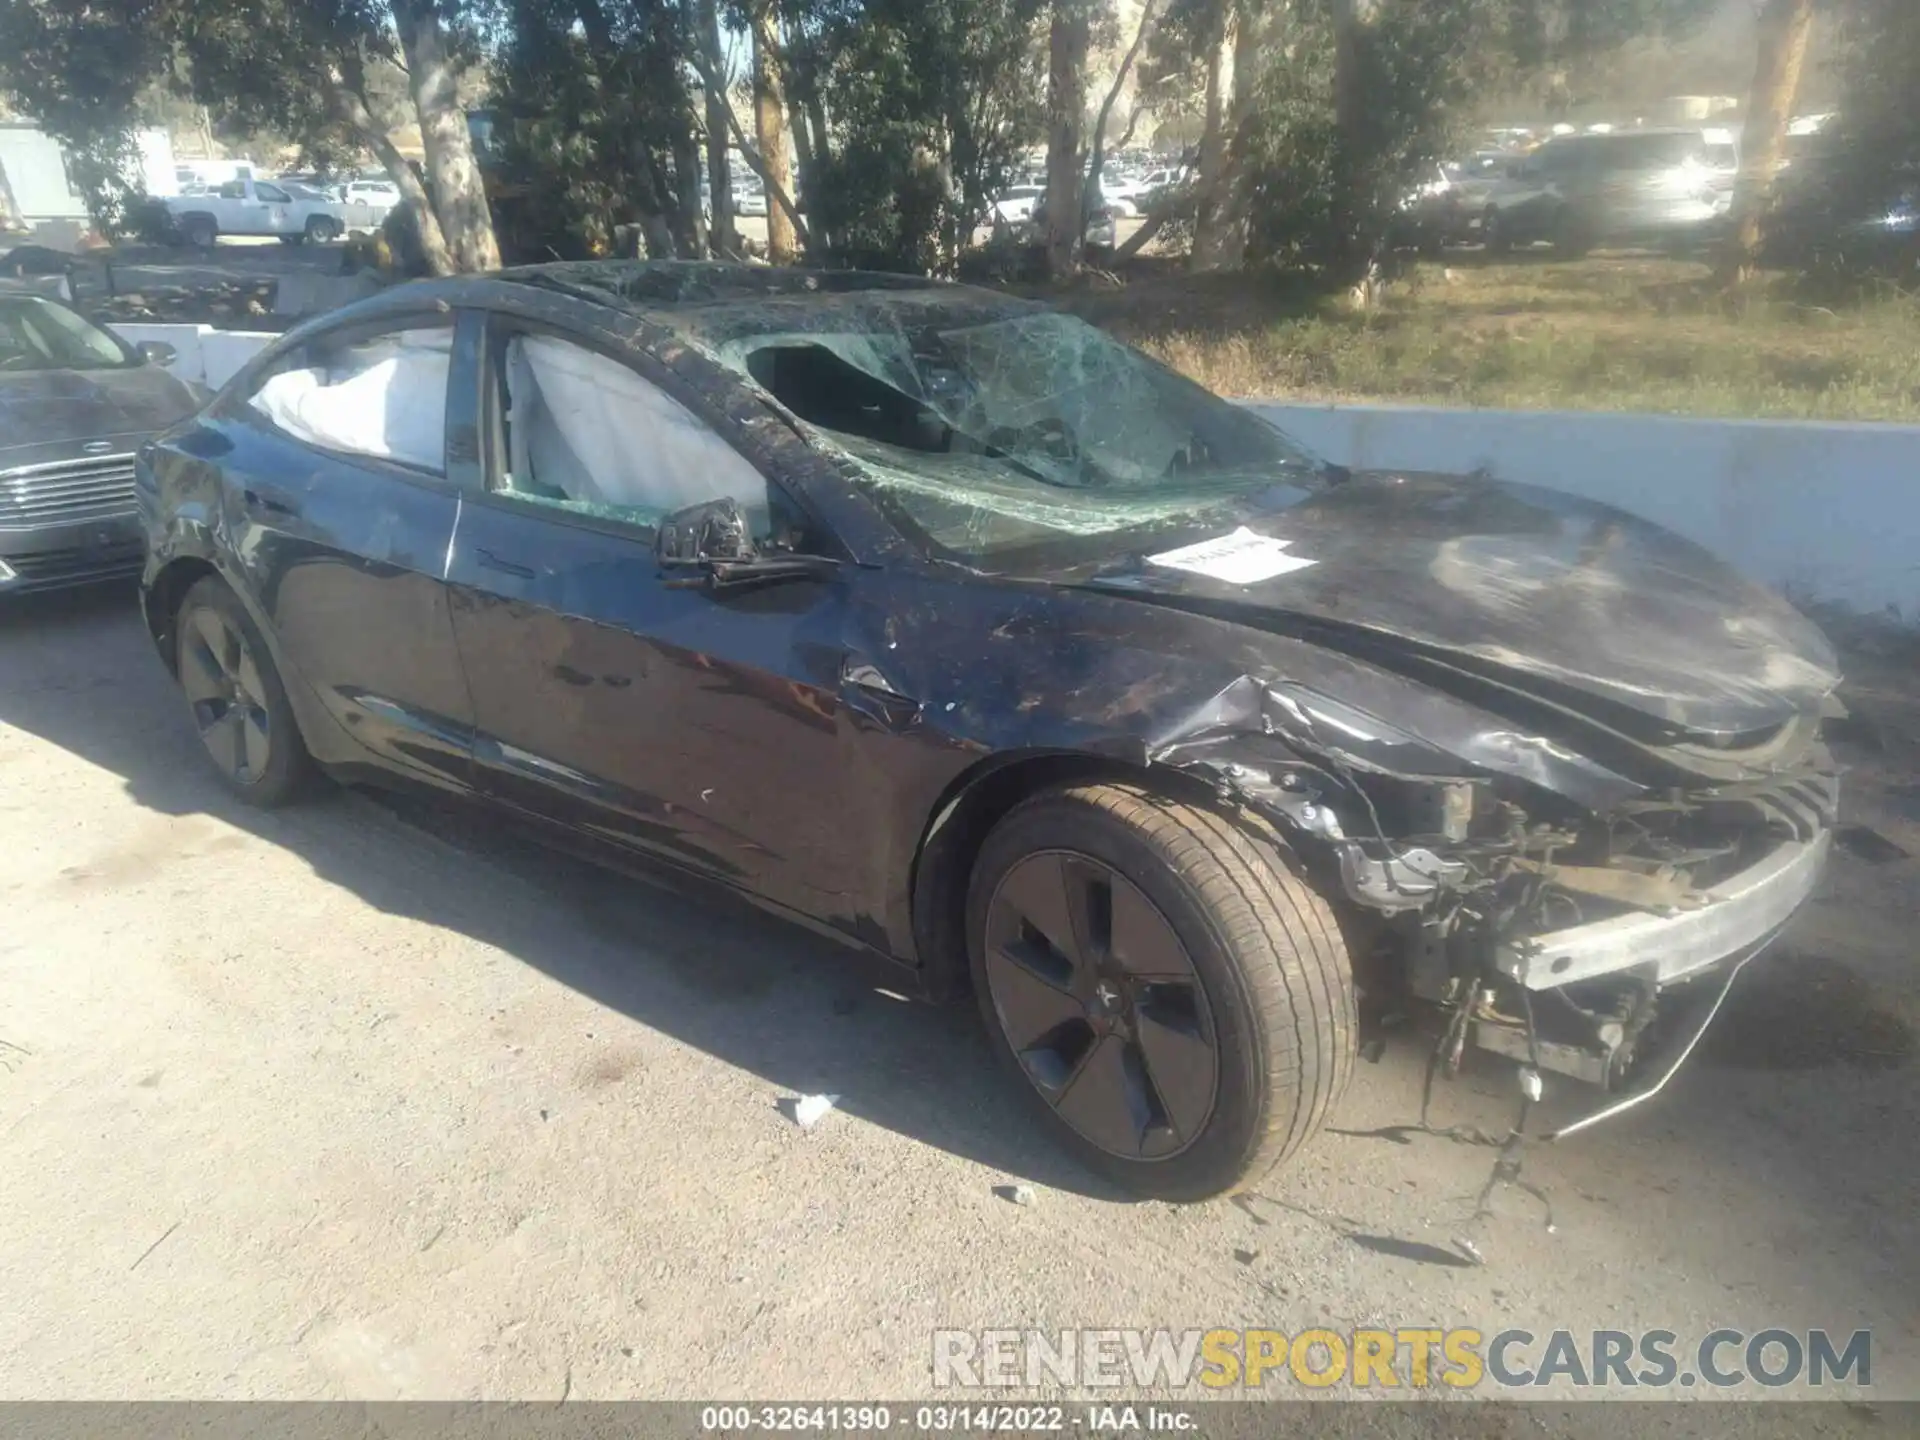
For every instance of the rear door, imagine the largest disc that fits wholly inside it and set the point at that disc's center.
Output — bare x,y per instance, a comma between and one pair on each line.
659,718
340,514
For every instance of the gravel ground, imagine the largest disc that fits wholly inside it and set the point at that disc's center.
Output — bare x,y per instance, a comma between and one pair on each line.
368,1101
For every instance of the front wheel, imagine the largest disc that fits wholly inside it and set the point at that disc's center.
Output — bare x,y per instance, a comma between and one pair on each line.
1177,1003
236,698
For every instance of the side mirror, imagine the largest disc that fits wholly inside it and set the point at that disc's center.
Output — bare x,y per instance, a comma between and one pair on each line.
157,352
711,532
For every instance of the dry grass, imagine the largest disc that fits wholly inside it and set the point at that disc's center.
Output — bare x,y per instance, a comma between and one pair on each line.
1600,334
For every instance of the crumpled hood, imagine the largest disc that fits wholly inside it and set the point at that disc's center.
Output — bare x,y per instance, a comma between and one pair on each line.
1541,591
45,414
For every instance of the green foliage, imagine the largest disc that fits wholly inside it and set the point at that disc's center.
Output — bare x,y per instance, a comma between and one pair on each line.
1318,192
78,69
930,107
594,121
1880,59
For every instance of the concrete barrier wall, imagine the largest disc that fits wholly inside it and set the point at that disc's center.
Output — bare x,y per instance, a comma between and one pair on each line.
1827,512
203,355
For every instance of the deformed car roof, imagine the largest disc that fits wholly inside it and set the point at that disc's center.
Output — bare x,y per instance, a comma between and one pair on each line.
641,286
719,300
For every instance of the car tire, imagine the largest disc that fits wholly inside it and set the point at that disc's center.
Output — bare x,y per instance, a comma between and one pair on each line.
1159,951
321,229
200,231
236,699
1571,238
1494,234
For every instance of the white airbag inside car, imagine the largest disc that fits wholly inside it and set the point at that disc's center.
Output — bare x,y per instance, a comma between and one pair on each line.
388,399
586,426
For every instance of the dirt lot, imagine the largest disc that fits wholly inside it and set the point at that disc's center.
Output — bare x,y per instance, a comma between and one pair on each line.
364,1102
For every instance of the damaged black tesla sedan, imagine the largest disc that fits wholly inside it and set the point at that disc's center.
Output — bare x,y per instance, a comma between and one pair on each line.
952,628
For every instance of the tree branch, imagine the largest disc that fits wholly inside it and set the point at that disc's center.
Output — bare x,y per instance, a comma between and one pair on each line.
751,152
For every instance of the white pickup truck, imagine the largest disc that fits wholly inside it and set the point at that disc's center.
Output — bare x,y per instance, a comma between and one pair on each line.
260,207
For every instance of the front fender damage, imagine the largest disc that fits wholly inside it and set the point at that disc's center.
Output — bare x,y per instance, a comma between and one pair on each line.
1557,911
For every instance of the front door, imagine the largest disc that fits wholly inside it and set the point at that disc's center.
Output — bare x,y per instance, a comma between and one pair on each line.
670,721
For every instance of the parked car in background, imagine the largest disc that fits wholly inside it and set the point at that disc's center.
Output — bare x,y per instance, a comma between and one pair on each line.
257,207
967,635
75,403
1627,187
1102,231
750,199
312,187
1158,183
1446,209
378,193
1014,205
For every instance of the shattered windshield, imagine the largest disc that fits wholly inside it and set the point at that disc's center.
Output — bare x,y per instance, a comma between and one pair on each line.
987,433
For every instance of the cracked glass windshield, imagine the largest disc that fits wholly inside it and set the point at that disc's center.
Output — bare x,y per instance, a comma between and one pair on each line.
988,434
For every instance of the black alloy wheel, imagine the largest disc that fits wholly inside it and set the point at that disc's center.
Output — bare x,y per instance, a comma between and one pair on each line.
1175,999
234,694
1101,1003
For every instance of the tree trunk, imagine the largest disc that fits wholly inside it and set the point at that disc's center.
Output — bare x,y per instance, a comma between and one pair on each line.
770,128
726,241
1096,161
686,173
1785,28
1210,182
1350,118
1066,116
459,194
434,253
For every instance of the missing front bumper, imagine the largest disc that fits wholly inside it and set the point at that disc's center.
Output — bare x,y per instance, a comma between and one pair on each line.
1682,966
1743,911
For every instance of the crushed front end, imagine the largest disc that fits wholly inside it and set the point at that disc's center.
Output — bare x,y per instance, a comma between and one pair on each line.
1579,918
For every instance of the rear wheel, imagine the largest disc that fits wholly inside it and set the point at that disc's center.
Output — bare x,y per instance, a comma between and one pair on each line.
201,231
1572,238
1176,1002
236,698
322,228
1494,233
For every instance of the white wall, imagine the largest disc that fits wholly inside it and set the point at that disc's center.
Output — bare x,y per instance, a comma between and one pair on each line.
38,173
1828,511
42,186
203,355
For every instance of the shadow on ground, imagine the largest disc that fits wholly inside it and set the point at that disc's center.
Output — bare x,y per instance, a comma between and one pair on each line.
775,1001
765,996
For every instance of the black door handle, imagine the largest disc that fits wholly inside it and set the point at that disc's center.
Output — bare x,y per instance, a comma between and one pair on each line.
271,501
490,561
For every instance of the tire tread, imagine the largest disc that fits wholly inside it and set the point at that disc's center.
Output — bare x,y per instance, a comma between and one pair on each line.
1285,948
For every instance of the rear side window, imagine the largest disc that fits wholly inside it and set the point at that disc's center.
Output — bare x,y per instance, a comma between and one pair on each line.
383,396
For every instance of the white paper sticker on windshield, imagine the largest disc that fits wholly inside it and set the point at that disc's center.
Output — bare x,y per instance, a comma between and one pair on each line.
1242,558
